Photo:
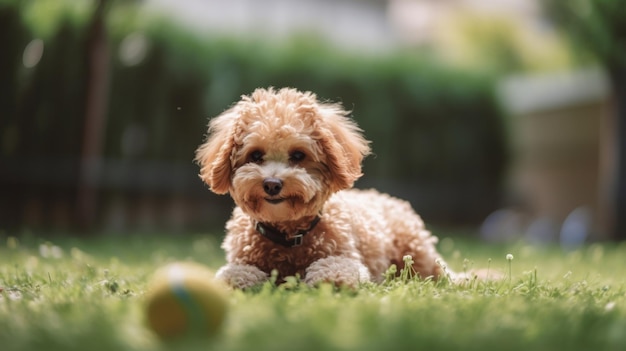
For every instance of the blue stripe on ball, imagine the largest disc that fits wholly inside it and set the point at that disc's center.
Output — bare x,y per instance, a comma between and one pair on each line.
193,311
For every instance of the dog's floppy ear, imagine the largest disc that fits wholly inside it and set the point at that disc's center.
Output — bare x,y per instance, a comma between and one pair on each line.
214,156
344,146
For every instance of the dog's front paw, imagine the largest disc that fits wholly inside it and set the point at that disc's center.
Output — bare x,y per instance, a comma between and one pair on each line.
241,276
338,270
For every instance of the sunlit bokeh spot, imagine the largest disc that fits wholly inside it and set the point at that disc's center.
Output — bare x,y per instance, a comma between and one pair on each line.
33,53
133,49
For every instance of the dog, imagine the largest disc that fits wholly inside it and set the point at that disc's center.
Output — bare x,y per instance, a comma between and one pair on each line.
289,161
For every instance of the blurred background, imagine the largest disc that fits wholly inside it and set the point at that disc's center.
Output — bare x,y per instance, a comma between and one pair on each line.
503,116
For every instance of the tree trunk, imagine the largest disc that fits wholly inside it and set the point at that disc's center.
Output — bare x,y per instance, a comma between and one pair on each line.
618,80
95,114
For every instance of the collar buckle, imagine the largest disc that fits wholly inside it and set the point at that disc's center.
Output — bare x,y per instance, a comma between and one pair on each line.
282,238
297,239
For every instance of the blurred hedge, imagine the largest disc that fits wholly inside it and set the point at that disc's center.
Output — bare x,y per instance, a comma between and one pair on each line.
437,132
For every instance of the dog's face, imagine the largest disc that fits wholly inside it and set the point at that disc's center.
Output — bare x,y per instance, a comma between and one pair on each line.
281,154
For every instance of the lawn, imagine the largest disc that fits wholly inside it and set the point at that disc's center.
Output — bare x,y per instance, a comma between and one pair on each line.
87,294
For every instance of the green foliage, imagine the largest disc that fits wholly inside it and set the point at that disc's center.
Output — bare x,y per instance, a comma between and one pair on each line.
502,44
71,294
595,25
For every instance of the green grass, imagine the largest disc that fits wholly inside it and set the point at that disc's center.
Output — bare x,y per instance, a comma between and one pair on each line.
72,294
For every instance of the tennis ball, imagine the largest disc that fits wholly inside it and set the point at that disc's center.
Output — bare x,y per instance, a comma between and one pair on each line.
183,299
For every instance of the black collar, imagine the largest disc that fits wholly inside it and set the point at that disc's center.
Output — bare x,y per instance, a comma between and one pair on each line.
283,238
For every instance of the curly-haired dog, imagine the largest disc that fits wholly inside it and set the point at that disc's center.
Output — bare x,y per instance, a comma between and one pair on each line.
288,161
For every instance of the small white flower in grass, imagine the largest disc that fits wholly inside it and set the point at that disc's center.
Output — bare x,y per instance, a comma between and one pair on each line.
440,263
509,257
609,306
49,250
444,268
408,260
407,272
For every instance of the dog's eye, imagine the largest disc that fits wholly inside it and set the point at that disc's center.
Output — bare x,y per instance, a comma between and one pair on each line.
256,156
297,156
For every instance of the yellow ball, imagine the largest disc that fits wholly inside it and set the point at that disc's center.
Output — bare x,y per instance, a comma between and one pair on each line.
183,299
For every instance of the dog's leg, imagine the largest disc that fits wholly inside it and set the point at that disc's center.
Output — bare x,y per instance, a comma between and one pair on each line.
339,270
241,276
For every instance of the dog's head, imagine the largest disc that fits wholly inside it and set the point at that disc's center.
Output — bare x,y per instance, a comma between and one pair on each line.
281,154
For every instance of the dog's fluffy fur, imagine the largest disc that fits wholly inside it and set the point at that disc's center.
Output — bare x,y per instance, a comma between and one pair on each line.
285,158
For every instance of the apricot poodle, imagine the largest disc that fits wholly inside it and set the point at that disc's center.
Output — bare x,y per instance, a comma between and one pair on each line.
289,162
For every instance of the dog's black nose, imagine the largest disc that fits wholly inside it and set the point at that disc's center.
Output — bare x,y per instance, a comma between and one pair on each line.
272,186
